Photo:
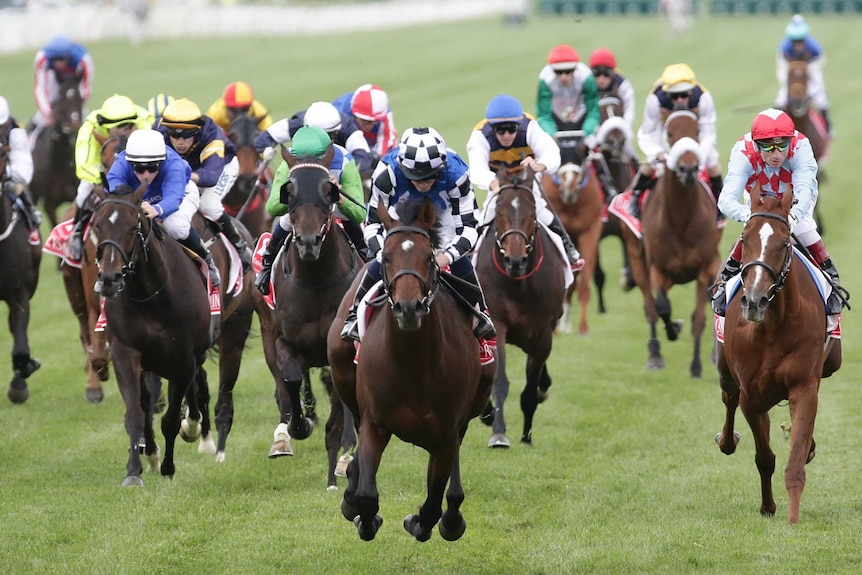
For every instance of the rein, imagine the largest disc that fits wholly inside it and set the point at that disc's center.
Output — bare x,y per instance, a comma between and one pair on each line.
429,287
779,277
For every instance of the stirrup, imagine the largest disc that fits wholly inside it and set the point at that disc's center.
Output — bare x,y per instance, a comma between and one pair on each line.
262,280
578,265
350,331
718,297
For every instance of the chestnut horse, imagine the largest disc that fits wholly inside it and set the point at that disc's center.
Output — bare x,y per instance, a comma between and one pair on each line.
680,239
523,276
246,200
54,180
578,201
776,348
419,378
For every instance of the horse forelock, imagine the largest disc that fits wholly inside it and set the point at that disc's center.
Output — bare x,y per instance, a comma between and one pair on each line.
409,212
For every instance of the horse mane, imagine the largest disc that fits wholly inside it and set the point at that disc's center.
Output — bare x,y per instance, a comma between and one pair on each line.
408,213
123,190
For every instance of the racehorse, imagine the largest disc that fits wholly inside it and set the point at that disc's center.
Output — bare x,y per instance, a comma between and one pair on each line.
614,138
578,202
251,189
774,348
419,377
19,259
54,179
310,279
807,120
523,276
680,238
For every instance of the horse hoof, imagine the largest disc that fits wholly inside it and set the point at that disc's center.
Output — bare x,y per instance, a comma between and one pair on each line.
367,532
674,328
655,363
452,534
220,457
207,445
94,394
414,528
332,487
301,429
190,430
341,466
281,447
499,441
133,481
18,391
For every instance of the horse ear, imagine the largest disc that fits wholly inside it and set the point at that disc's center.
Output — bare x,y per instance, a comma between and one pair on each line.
139,193
288,157
756,197
327,157
502,174
427,215
384,216
787,201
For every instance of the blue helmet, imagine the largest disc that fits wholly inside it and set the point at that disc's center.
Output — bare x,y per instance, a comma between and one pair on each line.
797,29
504,108
58,47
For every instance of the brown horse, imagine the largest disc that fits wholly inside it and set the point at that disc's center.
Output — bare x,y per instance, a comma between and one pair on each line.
578,202
418,378
523,276
774,348
680,239
614,138
807,120
310,279
54,179
19,259
246,200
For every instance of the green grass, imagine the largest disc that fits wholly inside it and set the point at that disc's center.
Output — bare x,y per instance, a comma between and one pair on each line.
623,475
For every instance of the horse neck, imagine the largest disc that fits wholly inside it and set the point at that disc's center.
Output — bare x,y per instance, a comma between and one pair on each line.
152,272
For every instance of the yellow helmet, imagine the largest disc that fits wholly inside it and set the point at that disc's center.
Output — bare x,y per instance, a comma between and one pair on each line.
117,110
677,78
182,113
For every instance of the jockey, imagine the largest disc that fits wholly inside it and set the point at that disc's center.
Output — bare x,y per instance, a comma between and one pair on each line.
212,157
342,128
677,89
58,60
799,45
369,105
567,99
19,163
238,99
313,142
423,167
776,156
611,83
157,104
171,196
508,138
119,116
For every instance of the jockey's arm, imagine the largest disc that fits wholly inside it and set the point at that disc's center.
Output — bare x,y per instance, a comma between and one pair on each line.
351,186
278,133
88,156
626,93
382,186
478,155
40,88
804,178
650,133
731,202
212,164
545,148
707,120
20,160
274,207
544,113
464,216
591,100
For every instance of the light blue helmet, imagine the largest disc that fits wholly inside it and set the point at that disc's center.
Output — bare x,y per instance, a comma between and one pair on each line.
797,29
58,47
504,108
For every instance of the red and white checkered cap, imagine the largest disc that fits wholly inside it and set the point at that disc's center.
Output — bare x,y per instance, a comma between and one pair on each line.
369,102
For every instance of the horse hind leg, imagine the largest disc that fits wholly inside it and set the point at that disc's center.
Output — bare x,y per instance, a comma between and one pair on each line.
499,392
535,392
662,306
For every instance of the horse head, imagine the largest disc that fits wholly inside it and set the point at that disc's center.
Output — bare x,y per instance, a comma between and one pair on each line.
766,252
515,222
310,195
242,132
614,131
112,146
68,109
121,233
797,89
684,154
408,264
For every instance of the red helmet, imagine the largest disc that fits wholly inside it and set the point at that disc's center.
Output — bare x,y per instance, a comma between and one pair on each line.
369,102
238,95
772,123
603,57
563,57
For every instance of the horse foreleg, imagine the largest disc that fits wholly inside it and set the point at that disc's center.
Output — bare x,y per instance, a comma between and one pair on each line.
365,500
499,392
535,392
299,426
452,524
23,365
599,280
127,367
232,341
178,388
764,457
564,324
440,467
698,324
728,438
803,411
335,428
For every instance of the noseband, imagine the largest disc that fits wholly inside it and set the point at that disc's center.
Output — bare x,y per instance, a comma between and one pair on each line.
129,260
779,277
529,240
429,286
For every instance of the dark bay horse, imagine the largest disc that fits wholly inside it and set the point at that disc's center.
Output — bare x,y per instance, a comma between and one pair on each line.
246,200
419,378
807,120
680,239
614,138
54,180
523,276
776,348
19,260
310,279
578,202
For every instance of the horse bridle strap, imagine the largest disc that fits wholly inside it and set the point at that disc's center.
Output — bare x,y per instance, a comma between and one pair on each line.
779,277
429,287
128,261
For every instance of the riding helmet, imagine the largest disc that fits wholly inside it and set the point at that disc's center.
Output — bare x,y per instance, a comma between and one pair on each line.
238,95
772,123
145,146
323,115
504,108
369,102
421,153
182,113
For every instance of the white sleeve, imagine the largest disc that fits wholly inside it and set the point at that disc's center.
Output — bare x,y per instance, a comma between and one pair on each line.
356,141
731,202
627,95
707,124
544,146
20,160
478,157
280,131
650,134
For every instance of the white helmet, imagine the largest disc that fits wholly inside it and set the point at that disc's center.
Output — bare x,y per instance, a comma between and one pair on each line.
4,110
323,115
146,146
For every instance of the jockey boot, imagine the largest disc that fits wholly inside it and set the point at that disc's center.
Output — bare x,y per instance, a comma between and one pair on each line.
245,253
356,237
641,183
34,217
839,295
351,322
716,184
75,246
718,290
470,289
196,244
572,252
607,182
279,235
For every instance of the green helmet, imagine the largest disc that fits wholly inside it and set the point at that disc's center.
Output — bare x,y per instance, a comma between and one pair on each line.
310,141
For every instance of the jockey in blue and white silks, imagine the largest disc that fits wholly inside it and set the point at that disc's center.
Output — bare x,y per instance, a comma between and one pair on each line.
799,45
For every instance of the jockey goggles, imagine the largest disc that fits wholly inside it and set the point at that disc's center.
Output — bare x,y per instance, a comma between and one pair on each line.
679,95
773,145
184,133
507,128
602,71
141,168
564,72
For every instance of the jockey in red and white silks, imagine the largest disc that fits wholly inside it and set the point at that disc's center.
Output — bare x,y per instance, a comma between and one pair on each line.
58,59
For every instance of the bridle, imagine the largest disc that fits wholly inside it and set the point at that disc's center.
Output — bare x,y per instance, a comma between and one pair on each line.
429,285
529,240
780,276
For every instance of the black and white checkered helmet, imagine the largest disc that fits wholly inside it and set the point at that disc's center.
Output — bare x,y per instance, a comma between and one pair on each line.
421,153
